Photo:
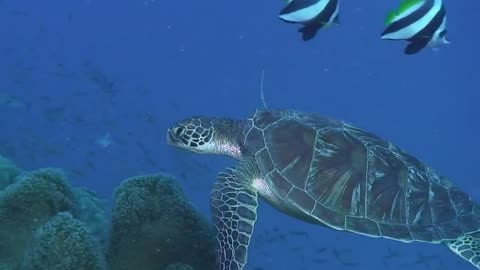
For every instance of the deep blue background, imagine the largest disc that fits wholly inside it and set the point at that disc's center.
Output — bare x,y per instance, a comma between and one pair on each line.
72,72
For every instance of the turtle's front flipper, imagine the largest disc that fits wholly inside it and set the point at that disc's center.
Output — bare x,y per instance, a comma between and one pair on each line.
468,247
234,211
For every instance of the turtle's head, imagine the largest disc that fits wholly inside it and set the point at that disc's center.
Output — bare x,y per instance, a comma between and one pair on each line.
207,135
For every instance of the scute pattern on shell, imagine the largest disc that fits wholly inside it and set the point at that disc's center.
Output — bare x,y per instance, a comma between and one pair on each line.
353,180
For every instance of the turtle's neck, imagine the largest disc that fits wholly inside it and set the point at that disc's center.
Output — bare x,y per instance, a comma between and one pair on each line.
229,135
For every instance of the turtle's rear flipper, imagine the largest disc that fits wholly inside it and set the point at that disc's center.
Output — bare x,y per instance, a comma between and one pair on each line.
467,247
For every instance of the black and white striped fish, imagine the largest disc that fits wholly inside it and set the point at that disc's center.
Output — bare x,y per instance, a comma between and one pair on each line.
420,22
313,14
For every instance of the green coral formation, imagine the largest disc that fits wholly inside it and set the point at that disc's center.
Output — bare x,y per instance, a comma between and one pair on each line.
64,243
154,226
26,205
8,172
37,196
404,6
47,224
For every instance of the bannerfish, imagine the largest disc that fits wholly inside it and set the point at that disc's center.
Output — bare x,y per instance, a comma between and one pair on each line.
420,22
313,14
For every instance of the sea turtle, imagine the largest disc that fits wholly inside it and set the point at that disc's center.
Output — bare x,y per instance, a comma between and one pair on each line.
328,172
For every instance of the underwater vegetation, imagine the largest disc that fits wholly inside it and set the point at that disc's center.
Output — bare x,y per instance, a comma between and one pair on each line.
47,224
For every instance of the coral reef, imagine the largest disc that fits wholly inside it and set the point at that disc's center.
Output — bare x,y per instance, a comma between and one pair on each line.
8,172
154,226
26,205
46,224
64,243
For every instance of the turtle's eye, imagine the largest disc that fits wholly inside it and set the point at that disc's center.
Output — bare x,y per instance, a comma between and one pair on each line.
178,131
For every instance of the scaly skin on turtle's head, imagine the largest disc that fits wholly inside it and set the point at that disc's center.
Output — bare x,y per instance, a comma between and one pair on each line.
207,135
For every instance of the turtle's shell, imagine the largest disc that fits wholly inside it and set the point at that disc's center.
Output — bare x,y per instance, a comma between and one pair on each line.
352,180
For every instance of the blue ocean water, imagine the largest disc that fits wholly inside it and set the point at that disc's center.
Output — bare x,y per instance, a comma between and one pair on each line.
91,86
